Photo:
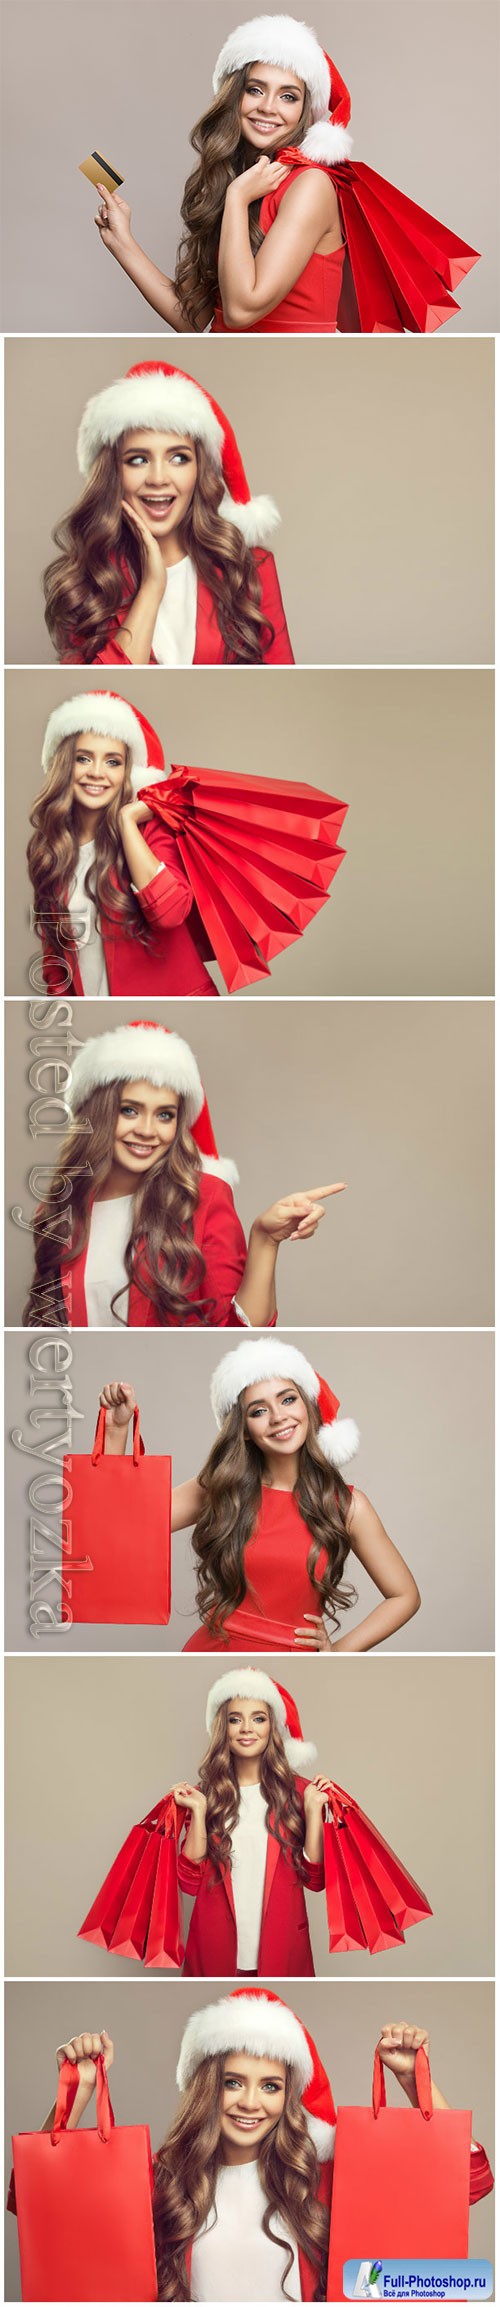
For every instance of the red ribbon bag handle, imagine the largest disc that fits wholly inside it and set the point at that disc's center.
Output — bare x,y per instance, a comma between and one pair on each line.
66,2094
138,1451
337,1802
167,1817
423,2085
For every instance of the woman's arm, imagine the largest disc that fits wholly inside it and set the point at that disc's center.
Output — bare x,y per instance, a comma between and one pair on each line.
82,2052
251,286
195,1845
294,1219
118,1399
113,225
158,878
372,1546
398,2045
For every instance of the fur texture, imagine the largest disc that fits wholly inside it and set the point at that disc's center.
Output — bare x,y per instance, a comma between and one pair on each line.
220,1166
340,1441
251,2023
136,1053
327,140
104,715
258,1358
283,41
157,402
257,520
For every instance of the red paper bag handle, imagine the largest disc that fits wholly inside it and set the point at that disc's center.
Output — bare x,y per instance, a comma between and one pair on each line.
338,1802
66,2095
166,1814
138,1451
423,2085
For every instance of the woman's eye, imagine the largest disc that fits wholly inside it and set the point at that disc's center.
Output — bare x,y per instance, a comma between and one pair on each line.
138,459
181,457
167,1113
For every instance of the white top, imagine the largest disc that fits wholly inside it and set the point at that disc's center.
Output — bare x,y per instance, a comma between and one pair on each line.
248,1869
174,635
105,1272
232,2257
86,929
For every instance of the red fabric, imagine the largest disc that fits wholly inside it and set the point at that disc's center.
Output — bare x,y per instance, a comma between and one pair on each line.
111,1578
279,1590
209,645
308,2274
311,306
481,2175
405,2172
84,2205
217,1233
171,962
284,1947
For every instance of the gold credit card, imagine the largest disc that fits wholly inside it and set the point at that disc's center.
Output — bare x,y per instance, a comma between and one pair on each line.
99,171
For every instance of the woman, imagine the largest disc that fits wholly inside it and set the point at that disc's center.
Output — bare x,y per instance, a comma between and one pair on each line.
254,1835
274,1520
282,231
139,1224
111,902
242,2182
162,561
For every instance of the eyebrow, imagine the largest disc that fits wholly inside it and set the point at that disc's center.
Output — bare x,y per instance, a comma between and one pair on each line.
260,1404
238,2077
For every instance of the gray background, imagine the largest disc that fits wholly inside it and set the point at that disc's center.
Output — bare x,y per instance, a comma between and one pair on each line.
382,475
424,1405
132,79
394,1097
345,2020
411,909
404,1741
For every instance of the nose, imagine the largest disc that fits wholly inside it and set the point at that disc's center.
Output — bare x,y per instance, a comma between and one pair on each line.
248,2099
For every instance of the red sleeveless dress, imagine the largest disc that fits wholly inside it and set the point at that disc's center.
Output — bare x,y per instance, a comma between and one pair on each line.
311,307
279,1588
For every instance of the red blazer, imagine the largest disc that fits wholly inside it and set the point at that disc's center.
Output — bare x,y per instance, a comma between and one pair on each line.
308,2274
217,1232
285,1946
171,963
209,646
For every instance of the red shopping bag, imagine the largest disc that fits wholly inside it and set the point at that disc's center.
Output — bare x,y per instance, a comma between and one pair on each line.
401,2179
117,1535
259,853
84,2204
138,1908
369,1895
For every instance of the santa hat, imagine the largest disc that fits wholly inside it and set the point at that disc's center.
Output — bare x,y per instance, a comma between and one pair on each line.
259,2023
251,1682
263,1358
144,1051
104,714
293,47
155,397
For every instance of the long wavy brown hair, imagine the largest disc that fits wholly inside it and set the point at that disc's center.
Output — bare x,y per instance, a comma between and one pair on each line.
101,563
219,1781
186,2173
223,154
161,1257
232,1480
53,857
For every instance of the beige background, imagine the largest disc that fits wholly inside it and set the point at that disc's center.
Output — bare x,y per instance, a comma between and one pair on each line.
425,114
411,909
382,474
404,1741
395,1097
345,2020
423,1402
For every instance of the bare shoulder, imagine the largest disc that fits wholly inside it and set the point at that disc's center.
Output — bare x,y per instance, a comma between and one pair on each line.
311,193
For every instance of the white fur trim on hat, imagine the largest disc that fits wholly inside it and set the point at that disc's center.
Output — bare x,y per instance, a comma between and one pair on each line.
219,1166
279,40
156,402
257,520
251,1682
137,1053
249,2023
322,2136
340,1441
104,716
255,1359
327,140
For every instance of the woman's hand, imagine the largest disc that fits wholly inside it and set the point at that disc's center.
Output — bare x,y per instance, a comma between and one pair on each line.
315,1795
113,221
190,1798
297,1216
134,812
312,1634
398,2046
82,2052
154,568
118,1399
264,176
